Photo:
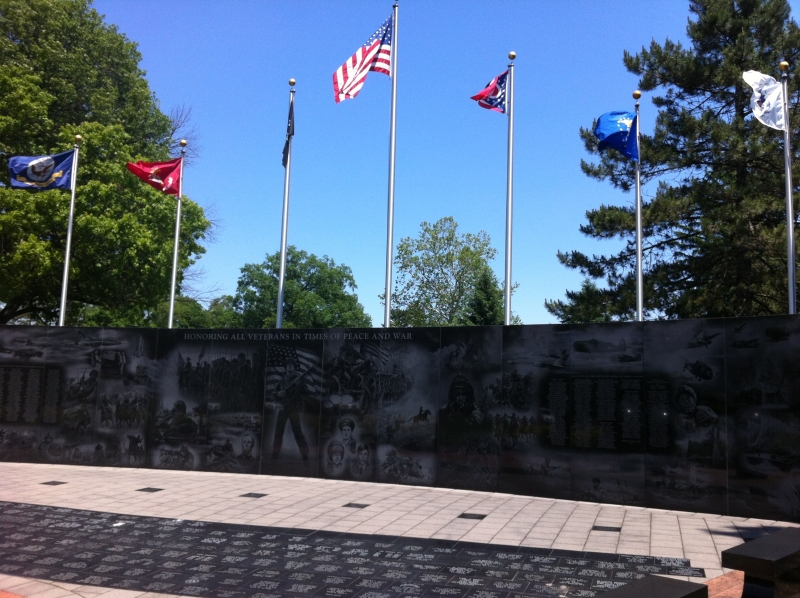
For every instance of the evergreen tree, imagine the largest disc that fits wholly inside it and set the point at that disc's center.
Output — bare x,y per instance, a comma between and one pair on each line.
714,230
485,307
590,304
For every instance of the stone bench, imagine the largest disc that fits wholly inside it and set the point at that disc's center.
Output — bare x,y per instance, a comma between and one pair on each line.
771,564
654,586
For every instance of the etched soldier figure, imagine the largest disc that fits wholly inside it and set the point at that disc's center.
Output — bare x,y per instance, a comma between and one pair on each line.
335,464
121,360
290,392
179,424
248,442
392,466
361,468
697,433
85,388
185,459
106,412
346,427
185,376
460,408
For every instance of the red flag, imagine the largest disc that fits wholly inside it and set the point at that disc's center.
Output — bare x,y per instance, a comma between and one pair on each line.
164,176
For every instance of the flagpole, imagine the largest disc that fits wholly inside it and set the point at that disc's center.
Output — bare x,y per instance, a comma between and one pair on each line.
509,188
787,157
177,238
387,308
285,220
639,270
62,310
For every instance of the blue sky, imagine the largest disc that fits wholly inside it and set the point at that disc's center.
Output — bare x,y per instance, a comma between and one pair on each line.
230,63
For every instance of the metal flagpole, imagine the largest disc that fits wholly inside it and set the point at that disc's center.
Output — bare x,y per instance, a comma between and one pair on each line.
177,238
639,272
285,220
509,186
387,308
62,310
787,156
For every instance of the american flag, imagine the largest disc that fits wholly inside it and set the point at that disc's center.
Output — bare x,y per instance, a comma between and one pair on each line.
374,55
375,353
494,96
306,363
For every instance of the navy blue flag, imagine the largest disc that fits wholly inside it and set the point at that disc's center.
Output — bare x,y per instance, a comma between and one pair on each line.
617,130
42,172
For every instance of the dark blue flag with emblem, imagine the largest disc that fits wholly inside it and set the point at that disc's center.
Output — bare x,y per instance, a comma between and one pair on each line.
42,172
493,97
617,130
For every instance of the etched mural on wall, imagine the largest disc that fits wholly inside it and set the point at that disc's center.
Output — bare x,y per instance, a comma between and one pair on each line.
698,415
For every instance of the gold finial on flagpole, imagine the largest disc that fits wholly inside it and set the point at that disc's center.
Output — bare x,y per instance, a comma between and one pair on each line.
292,82
637,94
183,143
78,138
512,55
784,66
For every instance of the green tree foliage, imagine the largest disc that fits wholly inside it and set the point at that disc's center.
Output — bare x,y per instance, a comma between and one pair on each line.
589,305
436,275
64,72
190,313
485,305
714,232
319,293
88,69
222,313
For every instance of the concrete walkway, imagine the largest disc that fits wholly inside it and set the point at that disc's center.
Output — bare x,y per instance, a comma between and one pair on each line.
411,511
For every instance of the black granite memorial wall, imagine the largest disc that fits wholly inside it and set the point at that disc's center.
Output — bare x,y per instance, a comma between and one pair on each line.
697,415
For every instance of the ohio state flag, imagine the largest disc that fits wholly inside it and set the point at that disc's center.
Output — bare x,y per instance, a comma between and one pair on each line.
164,176
493,96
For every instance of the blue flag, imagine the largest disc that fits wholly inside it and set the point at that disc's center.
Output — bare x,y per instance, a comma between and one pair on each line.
42,172
617,130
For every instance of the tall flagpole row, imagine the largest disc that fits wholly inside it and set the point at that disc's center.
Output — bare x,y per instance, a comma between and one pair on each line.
177,238
387,309
639,269
509,189
787,156
62,311
285,220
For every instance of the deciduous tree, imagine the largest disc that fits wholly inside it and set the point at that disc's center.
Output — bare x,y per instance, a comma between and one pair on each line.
319,293
63,72
436,274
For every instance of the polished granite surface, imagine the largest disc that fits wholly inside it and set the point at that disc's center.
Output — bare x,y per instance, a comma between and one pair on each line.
86,532
197,558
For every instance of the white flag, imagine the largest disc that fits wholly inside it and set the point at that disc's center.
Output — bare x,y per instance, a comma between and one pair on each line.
767,101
